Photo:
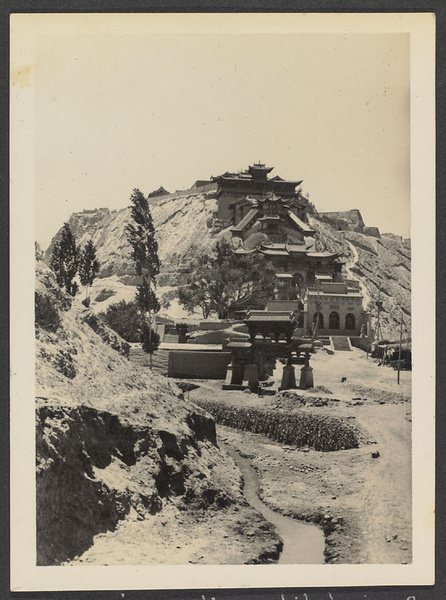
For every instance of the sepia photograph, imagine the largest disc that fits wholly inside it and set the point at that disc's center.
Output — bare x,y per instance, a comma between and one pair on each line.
222,340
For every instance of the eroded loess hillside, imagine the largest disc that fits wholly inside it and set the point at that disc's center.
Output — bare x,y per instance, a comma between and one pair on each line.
186,223
180,223
121,454
382,265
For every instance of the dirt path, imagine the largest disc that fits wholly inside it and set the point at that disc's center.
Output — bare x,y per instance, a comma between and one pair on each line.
363,503
348,268
387,487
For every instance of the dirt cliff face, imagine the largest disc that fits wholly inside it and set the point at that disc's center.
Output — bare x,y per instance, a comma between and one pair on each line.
180,222
186,223
381,265
114,442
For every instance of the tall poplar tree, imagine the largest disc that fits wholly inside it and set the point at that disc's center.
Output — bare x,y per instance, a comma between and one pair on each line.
88,266
65,260
141,236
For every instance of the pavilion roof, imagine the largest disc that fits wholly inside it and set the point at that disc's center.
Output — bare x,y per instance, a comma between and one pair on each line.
300,248
301,225
273,252
349,294
250,173
270,218
324,254
246,220
239,345
159,192
268,318
323,277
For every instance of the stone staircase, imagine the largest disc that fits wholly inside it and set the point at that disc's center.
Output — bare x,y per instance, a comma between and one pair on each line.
341,343
160,359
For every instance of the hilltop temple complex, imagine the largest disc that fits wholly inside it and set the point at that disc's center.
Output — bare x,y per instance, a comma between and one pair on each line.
269,218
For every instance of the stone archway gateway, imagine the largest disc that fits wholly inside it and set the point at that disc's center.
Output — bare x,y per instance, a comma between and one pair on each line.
271,337
333,320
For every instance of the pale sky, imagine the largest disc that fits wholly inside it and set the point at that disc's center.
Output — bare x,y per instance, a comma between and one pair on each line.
116,110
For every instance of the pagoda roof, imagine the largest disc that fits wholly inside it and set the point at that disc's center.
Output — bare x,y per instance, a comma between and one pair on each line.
252,173
273,252
269,197
287,249
274,245
260,168
159,192
337,294
324,254
259,316
245,221
296,248
239,345
269,218
300,224
257,298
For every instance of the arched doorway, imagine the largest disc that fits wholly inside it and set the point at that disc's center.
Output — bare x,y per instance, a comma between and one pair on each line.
333,320
350,321
321,320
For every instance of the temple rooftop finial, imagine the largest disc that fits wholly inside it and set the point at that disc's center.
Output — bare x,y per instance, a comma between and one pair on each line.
259,170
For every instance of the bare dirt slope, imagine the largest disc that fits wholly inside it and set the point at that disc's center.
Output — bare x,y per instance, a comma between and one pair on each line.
121,455
381,265
180,223
186,223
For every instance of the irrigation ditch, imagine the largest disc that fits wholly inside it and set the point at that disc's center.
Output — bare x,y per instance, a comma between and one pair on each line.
304,541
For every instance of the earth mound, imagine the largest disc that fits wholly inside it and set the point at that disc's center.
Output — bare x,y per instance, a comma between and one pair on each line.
117,444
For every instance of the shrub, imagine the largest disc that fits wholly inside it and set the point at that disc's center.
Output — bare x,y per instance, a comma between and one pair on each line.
124,318
302,429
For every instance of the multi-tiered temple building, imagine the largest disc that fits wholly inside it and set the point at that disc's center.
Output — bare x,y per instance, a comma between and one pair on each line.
269,217
233,187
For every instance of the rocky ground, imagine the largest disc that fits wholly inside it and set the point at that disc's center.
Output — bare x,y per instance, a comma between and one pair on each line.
363,503
128,471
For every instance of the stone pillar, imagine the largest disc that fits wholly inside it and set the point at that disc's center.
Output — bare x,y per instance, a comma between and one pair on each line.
228,379
306,378
288,378
251,377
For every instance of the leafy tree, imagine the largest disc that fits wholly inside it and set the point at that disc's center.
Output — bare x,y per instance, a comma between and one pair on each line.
88,266
125,319
218,279
168,297
199,292
65,259
141,236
